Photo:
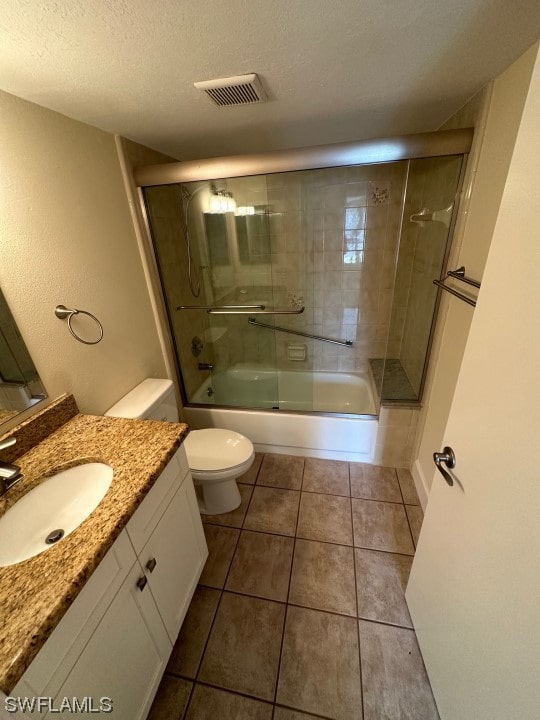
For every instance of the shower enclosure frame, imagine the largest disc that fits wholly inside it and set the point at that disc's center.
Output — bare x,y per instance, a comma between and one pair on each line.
368,152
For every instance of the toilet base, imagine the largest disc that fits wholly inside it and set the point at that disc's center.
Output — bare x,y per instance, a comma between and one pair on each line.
217,497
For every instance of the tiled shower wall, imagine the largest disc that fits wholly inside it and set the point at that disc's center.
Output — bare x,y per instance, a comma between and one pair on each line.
334,235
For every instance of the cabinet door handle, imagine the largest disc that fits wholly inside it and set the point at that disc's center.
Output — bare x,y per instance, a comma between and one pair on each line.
151,564
141,582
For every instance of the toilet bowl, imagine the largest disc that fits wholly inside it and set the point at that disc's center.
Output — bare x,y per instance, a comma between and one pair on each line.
216,457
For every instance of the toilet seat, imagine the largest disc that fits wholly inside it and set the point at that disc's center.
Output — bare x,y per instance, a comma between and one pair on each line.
215,450
216,457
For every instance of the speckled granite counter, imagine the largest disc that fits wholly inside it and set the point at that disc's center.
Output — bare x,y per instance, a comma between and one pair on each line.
35,594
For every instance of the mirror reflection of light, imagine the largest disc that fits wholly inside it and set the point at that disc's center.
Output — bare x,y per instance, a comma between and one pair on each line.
245,210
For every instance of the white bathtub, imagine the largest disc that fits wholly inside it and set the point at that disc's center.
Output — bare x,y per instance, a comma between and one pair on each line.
297,425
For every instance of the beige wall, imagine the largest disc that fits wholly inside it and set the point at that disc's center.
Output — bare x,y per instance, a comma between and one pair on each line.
496,114
67,237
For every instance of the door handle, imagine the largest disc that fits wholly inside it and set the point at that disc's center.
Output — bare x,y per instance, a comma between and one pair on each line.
447,458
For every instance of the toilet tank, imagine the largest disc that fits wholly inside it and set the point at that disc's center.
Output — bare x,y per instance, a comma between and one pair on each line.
153,399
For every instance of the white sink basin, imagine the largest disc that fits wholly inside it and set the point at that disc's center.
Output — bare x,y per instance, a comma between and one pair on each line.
52,510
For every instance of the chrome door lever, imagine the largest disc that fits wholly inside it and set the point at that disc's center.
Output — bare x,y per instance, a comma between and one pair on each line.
449,459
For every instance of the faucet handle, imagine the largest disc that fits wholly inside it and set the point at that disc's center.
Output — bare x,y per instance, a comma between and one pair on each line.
7,443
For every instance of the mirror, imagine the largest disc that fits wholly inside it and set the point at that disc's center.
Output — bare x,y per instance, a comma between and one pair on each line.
20,385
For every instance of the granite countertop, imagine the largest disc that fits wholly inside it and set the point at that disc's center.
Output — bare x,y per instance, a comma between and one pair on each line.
35,593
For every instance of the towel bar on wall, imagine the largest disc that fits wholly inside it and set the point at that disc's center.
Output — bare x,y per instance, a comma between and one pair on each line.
458,274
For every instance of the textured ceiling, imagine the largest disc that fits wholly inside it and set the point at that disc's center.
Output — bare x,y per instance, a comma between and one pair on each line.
335,71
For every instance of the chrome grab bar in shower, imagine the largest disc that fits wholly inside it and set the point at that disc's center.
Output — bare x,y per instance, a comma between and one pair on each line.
347,343
220,307
217,311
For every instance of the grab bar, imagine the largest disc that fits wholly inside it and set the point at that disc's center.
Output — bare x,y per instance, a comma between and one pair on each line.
217,311
347,343
459,274
220,307
457,294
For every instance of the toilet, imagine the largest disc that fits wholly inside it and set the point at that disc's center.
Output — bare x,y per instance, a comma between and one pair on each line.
216,457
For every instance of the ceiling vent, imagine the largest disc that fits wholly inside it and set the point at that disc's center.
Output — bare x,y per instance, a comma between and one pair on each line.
238,90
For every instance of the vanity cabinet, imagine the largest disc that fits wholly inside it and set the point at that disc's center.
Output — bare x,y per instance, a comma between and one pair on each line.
117,636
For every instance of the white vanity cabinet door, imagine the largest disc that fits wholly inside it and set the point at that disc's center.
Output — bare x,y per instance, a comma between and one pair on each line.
50,667
125,657
148,514
174,557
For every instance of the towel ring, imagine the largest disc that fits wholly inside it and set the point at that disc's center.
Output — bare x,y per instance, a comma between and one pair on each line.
62,312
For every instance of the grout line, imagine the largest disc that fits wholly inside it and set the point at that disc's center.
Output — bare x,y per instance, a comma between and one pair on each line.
406,514
357,610
302,712
250,498
222,590
204,683
326,542
407,518
385,622
184,714
208,636
289,585
399,486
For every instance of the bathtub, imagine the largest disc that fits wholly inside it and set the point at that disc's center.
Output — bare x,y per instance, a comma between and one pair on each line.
319,414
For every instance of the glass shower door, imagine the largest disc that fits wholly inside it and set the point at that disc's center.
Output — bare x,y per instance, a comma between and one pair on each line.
425,237
214,259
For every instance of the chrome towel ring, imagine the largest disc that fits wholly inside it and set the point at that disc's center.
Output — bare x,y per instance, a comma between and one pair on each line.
62,312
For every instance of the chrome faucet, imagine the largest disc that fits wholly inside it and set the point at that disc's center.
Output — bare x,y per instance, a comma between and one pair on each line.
206,366
9,474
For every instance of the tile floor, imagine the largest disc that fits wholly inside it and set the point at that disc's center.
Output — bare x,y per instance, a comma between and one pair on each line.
300,611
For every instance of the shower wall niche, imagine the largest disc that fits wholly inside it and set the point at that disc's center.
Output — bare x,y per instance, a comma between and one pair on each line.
339,243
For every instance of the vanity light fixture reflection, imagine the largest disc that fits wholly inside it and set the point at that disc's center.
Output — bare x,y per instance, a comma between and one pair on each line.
221,201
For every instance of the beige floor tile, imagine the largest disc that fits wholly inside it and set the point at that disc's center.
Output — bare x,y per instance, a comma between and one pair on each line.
381,579
373,482
188,649
243,650
319,670
235,518
381,526
326,476
408,489
326,518
416,517
273,510
394,681
171,699
250,476
262,565
209,703
323,577
282,471
221,544
286,714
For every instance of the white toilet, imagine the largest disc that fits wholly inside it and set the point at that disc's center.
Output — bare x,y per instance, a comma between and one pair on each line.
216,457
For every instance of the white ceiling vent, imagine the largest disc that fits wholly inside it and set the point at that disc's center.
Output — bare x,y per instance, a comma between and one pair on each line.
238,90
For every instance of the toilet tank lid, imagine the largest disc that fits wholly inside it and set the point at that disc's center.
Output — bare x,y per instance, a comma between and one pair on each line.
140,401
